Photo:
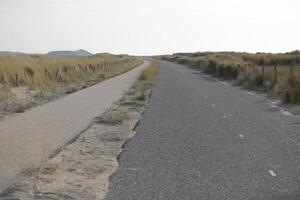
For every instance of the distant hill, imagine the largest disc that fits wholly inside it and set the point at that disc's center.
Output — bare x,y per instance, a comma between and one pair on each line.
80,52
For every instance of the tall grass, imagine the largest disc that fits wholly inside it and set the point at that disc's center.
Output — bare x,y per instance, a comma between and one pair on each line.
31,68
37,74
138,93
246,69
150,72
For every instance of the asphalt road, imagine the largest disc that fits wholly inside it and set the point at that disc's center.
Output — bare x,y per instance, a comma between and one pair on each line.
28,137
204,139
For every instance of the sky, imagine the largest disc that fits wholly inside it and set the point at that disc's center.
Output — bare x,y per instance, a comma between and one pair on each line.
149,27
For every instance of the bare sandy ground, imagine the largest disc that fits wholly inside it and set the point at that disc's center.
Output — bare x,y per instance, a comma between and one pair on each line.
82,169
28,137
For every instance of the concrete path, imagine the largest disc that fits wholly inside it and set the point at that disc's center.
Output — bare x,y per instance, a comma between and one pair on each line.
204,139
26,138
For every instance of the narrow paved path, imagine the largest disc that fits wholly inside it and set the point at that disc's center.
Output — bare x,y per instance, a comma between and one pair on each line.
203,139
26,138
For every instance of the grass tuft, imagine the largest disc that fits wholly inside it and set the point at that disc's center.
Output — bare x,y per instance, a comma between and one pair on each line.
149,74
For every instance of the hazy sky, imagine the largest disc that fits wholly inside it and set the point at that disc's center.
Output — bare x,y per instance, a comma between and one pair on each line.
149,27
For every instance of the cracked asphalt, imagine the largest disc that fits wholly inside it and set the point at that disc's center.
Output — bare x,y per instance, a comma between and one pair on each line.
204,139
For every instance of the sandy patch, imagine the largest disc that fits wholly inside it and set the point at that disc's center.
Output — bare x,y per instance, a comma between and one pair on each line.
81,169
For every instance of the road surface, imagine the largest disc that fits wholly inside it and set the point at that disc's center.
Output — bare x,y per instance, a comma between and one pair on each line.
26,138
204,139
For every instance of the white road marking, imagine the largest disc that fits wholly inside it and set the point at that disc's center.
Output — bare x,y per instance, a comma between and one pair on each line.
205,97
225,83
224,116
213,105
275,102
273,106
217,80
241,136
272,173
286,113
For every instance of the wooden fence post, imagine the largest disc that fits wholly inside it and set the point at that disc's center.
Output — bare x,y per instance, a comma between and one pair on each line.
46,74
91,67
245,72
263,74
291,72
17,80
275,74
57,74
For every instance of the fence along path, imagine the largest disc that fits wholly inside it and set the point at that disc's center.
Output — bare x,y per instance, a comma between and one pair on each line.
244,69
27,137
92,67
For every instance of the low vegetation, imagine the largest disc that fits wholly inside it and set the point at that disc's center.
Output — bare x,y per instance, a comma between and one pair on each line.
149,74
278,74
137,94
114,118
37,71
81,170
45,77
147,77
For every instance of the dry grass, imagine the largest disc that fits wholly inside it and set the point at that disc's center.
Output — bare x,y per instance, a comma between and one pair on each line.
246,69
119,117
137,94
149,74
113,117
146,78
35,171
31,68
38,73
5,94
82,169
10,103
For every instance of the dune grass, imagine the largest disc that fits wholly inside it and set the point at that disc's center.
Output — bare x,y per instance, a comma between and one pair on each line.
53,76
149,73
246,69
138,93
40,70
146,79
